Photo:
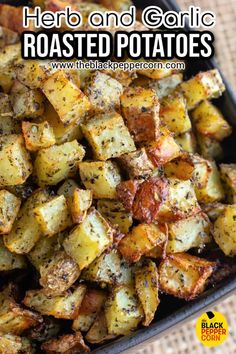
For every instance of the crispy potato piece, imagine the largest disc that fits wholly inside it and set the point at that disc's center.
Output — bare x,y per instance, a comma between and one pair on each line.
228,174
57,162
202,171
101,177
66,344
209,121
122,311
12,17
108,136
103,92
15,163
79,203
53,216
91,305
10,261
98,332
210,149
67,99
58,273
140,109
38,136
173,112
110,268
188,233
26,231
181,168
213,191
114,211
89,239
32,73
64,306
137,163
141,240
187,142
183,275
163,149
7,37
10,206
67,188
27,104
205,85
164,87
126,192
225,230
146,285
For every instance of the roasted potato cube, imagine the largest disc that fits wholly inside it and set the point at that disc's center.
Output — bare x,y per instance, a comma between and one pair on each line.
140,108
187,142
98,332
146,285
228,174
11,344
188,233
10,206
26,231
137,163
210,149
213,191
68,343
173,112
67,99
123,311
15,164
101,177
8,55
32,72
79,203
91,305
67,188
225,230
12,17
123,76
140,240
164,87
205,85
108,136
8,125
38,136
126,192
181,168
53,216
7,37
103,92
89,239
27,104
114,211
163,149
155,74
58,273
183,275
10,261
210,122
110,268
57,162
64,306
202,171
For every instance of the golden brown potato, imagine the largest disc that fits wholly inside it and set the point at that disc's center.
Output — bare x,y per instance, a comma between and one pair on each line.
98,332
38,136
12,17
140,109
164,87
182,167
79,203
187,142
155,74
15,162
126,192
32,73
11,344
10,206
27,104
146,285
67,188
10,261
66,344
137,163
108,136
183,275
201,172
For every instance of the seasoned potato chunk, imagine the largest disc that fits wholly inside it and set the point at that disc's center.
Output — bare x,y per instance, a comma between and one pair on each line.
210,149
173,112
209,121
26,231
8,125
64,306
101,177
68,343
38,136
11,344
137,163
114,211
228,174
213,191
10,261
27,104
187,142
79,203
164,87
123,311
68,100
57,162
12,18
225,230
140,108
67,188
146,285
88,239
126,192
8,55
181,168
58,273
140,240
123,76
91,305
32,72
15,164
98,332
202,171
183,275
155,74
7,37
10,206
108,136
188,233
103,92
53,216
205,85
